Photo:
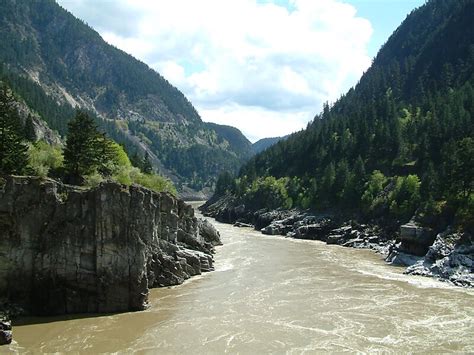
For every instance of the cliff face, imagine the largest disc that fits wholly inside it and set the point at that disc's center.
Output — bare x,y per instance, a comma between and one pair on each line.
70,250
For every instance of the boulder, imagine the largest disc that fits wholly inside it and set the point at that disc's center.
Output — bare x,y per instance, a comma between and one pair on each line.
5,332
415,239
209,232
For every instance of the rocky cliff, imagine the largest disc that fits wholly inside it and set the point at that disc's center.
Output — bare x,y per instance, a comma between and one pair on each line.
65,249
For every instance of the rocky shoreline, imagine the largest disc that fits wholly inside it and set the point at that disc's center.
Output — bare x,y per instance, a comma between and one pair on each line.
65,249
447,256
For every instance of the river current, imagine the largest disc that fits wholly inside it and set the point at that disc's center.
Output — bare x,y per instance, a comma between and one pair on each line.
272,294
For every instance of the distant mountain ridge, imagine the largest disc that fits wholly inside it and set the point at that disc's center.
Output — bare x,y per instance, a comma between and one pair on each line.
45,48
264,143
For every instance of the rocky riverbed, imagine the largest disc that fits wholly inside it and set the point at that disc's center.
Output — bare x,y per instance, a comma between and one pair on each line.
65,249
447,256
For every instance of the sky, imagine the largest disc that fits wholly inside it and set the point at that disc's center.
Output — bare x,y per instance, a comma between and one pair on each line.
263,66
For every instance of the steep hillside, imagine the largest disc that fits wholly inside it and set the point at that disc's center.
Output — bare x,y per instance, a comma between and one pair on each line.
234,137
45,51
401,141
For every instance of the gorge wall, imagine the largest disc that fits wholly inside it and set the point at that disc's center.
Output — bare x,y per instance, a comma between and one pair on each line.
66,249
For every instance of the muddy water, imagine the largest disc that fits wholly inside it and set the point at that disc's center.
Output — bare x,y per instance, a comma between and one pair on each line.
271,294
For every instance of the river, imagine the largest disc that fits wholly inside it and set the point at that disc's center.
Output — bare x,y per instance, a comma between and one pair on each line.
272,294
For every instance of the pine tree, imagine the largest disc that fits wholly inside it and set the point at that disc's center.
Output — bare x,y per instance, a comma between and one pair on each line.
147,167
29,129
82,154
13,151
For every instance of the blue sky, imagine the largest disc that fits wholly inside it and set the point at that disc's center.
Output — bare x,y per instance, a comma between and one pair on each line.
385,16
263,66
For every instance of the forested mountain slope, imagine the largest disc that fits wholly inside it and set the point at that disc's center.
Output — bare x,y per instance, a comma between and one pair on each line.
58,63
400,141
262,144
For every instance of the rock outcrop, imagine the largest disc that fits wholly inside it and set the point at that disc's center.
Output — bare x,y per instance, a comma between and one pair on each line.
5,332
415,239
65,249
451,258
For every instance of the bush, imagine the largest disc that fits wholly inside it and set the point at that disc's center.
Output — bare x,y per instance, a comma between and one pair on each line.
93,180
155,182
371,198
268,192
405,197
44,158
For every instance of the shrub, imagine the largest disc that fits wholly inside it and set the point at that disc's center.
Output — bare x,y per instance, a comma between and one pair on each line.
405,197
43,158
371,198
268,192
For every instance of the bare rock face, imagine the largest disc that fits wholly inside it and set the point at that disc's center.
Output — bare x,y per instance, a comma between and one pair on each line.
415,239
65,249
450,258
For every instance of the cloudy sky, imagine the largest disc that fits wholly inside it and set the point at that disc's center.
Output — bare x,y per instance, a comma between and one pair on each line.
263,66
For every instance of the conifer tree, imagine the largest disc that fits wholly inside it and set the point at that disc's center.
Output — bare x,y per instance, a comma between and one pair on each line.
29,129
147,167
82,153
13,151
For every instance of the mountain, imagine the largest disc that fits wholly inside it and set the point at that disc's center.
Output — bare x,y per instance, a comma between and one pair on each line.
234,137
400,142
57,63
264,143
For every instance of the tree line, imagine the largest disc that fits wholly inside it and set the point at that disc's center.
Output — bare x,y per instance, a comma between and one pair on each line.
88,157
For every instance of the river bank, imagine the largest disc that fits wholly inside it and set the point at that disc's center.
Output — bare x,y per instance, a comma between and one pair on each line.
447,256
274,295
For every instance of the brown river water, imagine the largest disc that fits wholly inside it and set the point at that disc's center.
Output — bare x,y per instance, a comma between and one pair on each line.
278,295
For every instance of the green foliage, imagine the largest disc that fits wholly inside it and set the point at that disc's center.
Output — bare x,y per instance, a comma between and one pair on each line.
88,151
82,154
92,155
93,179
371,198
225,184
29,129
268,192
465,215
119,157
44,158
405,197
460,166
112,158
13,151
153,182
147,167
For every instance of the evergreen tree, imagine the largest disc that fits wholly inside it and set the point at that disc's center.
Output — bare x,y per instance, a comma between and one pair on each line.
82,154
462,168
147,167
29,130
13,151
225,183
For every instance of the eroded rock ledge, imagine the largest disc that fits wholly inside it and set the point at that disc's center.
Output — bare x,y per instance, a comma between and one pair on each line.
64,249
447,256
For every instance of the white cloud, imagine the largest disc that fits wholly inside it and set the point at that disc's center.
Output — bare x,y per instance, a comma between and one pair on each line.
263,68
